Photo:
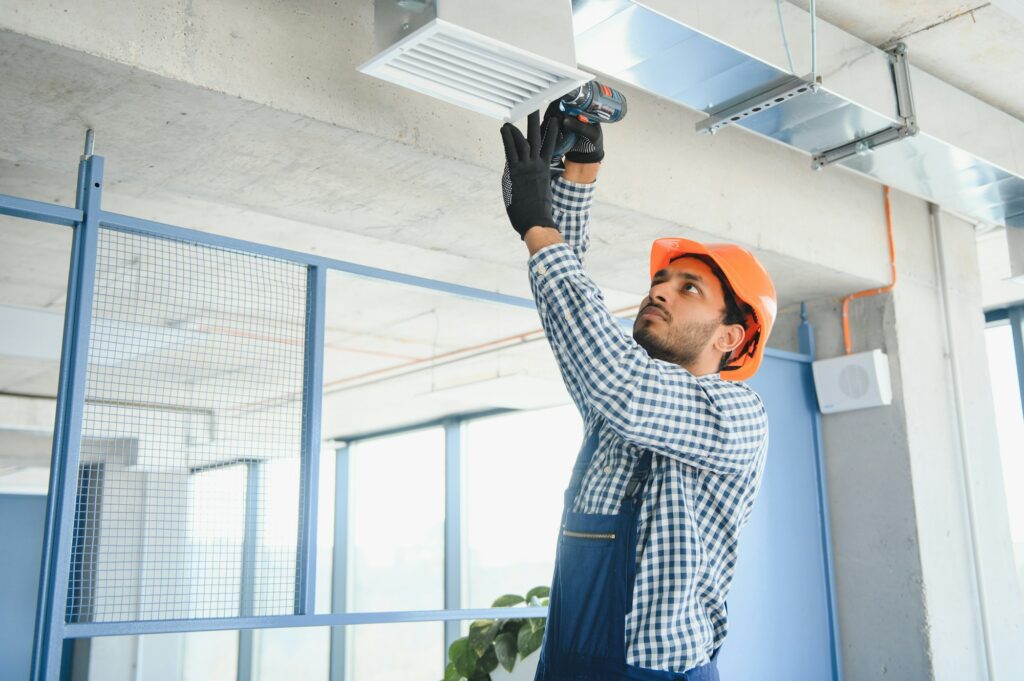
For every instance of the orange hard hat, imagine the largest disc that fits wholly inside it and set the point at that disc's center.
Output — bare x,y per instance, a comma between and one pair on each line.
749,282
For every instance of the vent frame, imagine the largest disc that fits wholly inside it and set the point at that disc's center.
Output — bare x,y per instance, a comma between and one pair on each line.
438,45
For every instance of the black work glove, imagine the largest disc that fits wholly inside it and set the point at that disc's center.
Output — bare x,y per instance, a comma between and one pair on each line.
589,147
526,182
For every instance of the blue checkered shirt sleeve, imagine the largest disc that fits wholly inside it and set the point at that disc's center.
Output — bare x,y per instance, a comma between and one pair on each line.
714,425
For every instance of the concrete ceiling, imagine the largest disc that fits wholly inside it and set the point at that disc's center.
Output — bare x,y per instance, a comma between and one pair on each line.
343,183
975,46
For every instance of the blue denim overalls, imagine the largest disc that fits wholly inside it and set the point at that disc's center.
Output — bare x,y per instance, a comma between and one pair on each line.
592,590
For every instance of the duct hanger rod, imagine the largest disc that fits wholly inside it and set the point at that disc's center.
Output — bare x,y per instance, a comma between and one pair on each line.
90,138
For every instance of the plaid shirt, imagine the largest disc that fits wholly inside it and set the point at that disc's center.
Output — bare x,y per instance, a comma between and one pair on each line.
710,437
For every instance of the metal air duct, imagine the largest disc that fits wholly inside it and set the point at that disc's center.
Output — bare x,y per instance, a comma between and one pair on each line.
501,59
654,50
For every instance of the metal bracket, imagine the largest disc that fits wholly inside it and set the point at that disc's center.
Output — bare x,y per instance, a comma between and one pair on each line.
792,87
900,71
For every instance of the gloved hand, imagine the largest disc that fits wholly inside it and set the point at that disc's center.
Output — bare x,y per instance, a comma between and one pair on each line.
526,182
589,146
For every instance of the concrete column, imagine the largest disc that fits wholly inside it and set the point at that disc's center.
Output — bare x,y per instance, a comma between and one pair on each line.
901,530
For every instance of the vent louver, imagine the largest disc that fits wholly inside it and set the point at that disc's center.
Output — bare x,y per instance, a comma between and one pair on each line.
474,71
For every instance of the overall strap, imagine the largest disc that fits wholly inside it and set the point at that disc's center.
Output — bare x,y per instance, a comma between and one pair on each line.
582,463
635,486
637,481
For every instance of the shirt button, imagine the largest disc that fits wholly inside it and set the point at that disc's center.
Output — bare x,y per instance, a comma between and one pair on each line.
542,270
608,470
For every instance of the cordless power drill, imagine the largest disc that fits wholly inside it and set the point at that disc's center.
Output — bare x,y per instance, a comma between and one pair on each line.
591,103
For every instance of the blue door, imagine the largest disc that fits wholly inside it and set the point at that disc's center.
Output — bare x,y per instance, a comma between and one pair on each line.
780,606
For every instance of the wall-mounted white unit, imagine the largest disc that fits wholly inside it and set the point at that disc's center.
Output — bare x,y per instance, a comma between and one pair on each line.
501,59
852,382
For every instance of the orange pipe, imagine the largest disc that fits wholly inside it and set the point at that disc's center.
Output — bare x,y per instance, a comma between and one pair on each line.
515,339
872,291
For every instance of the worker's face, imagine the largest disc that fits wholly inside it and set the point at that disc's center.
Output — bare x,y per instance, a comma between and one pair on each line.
680,320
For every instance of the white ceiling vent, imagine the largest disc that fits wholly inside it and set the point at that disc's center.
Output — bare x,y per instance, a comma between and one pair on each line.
503,60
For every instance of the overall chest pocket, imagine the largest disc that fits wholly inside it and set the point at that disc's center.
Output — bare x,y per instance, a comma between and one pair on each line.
591,578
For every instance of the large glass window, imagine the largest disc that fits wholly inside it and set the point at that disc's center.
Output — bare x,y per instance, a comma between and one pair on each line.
302,652
209,656
386,652
292,653
1010,425
396,553
516,468
217,531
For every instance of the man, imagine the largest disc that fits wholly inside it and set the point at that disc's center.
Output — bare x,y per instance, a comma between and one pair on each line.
674,453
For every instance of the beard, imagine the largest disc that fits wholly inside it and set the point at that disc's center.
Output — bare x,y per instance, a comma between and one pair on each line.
678,345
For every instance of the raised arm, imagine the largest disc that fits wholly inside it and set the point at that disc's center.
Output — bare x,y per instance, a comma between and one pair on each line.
711,424
706,423
572,195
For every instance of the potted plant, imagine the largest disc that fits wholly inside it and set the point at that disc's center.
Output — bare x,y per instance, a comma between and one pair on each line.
497,642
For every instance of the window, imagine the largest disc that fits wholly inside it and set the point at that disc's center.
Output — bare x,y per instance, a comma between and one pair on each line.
217,529
510,541
394,557
1006,391
396,553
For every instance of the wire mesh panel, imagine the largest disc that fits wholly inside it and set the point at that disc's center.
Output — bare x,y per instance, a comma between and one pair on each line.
189,500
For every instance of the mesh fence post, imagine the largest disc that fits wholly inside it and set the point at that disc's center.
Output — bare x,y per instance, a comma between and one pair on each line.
48,641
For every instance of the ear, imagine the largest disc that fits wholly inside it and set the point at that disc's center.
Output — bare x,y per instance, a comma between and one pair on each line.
729,338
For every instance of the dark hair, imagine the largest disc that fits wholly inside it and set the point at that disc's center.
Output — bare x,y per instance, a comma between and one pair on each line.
736,311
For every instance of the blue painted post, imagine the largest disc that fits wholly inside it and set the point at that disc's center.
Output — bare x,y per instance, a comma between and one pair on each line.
67,432
339,581
805,333
250,538
1016,317
452,528
247,587
312,397
806,337
826,539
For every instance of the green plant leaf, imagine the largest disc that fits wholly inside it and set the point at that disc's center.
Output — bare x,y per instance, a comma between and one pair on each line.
512,626
528,640
463,656
508,600
539,592
506,647
451,673
481,634
488,662
480,676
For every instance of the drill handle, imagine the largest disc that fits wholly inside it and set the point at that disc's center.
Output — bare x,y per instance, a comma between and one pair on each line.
567,142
